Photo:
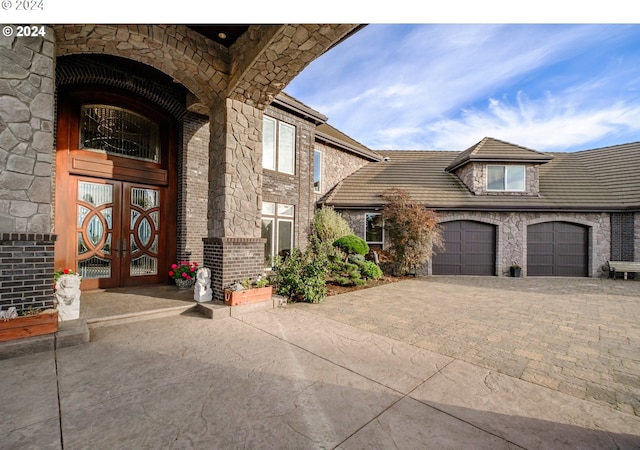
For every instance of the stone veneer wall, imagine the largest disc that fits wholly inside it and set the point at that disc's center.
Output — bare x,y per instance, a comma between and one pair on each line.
511,239
193,188
473,175
233,248
636,236
26,148
336,165
26,133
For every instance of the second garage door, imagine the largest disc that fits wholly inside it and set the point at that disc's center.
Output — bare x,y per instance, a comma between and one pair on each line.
470,249
557,249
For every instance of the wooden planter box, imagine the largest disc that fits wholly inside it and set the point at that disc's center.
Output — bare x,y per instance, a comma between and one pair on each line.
234,298
28,326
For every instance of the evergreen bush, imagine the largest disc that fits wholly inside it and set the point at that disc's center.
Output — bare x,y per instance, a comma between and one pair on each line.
352,244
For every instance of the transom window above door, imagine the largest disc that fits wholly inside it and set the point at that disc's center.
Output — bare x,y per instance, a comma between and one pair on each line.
118,131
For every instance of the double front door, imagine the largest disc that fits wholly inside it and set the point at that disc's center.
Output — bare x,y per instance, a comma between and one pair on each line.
116,185
118,232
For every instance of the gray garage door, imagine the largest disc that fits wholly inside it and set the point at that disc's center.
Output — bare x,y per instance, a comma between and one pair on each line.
557,249
470,249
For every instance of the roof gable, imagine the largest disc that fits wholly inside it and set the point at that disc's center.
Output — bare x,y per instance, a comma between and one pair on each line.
495,150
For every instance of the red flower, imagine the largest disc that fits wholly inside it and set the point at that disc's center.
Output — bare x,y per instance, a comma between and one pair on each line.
193,269
184,275
171,273
65,271
174,266
195,264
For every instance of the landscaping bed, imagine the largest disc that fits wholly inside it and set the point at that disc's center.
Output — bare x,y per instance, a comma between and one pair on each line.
334,289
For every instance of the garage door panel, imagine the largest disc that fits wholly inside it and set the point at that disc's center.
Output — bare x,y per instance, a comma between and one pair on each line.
469,249
557,249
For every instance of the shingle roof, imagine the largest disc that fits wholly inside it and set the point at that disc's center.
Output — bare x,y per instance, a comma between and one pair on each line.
327,133
490,149
593,180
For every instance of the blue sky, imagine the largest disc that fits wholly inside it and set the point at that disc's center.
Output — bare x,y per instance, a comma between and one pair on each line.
445,86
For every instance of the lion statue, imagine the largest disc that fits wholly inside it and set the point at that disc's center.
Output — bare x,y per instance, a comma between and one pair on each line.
68,297
202,290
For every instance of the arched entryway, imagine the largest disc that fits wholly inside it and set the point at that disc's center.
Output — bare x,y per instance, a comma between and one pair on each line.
116,164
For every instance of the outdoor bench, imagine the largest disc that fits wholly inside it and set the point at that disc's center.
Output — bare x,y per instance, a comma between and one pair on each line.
623,267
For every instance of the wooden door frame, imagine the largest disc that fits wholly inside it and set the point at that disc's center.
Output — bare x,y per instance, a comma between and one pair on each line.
72,161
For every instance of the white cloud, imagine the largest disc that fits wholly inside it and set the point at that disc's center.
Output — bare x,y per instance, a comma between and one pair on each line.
446,86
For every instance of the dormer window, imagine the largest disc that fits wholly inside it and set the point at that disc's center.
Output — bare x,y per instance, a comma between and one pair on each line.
506,178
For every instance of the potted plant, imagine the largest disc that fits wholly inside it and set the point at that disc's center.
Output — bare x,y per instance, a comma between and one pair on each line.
30,322
248,291
184,274
515,269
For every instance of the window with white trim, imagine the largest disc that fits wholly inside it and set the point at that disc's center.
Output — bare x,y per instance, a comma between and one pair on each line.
277,228
506,178
278,145
374,229
317,171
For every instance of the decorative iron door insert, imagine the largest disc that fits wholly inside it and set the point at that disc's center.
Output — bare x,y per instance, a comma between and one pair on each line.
118,232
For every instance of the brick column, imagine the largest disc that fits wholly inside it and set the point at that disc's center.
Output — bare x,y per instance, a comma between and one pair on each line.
26,149
233,248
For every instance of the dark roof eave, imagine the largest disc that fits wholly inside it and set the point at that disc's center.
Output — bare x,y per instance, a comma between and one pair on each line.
465,161
348,147
532,208
289,103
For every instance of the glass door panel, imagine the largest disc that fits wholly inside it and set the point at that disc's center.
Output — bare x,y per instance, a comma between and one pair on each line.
143,230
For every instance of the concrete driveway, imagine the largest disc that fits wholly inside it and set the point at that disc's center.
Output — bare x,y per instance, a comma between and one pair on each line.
428,363
579,336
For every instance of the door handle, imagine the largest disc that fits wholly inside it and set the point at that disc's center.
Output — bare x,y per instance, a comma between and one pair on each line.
124,246
117,249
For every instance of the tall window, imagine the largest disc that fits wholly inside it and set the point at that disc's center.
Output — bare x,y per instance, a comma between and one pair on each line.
373,229
317,171
505,178
277,229
278,145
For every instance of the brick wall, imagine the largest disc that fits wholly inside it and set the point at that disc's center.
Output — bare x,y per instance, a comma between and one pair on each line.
622,237
26,270
231,260
193,187
294,189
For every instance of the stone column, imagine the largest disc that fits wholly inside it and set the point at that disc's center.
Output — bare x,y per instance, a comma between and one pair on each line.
26,149
234,248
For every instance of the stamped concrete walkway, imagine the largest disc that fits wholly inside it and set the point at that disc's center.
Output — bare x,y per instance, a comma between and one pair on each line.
302,377
579,336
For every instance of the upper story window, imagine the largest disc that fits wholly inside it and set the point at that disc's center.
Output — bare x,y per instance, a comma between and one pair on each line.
505,178
120,132
278,145
317,171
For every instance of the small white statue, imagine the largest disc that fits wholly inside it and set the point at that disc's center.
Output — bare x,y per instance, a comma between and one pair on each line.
9,314
202,291
68,297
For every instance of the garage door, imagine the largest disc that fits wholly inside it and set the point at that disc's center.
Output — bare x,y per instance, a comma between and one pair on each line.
557,249
470,249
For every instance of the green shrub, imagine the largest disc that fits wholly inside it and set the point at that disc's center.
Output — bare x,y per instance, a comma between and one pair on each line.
351,245
370,270
302,276
328,225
